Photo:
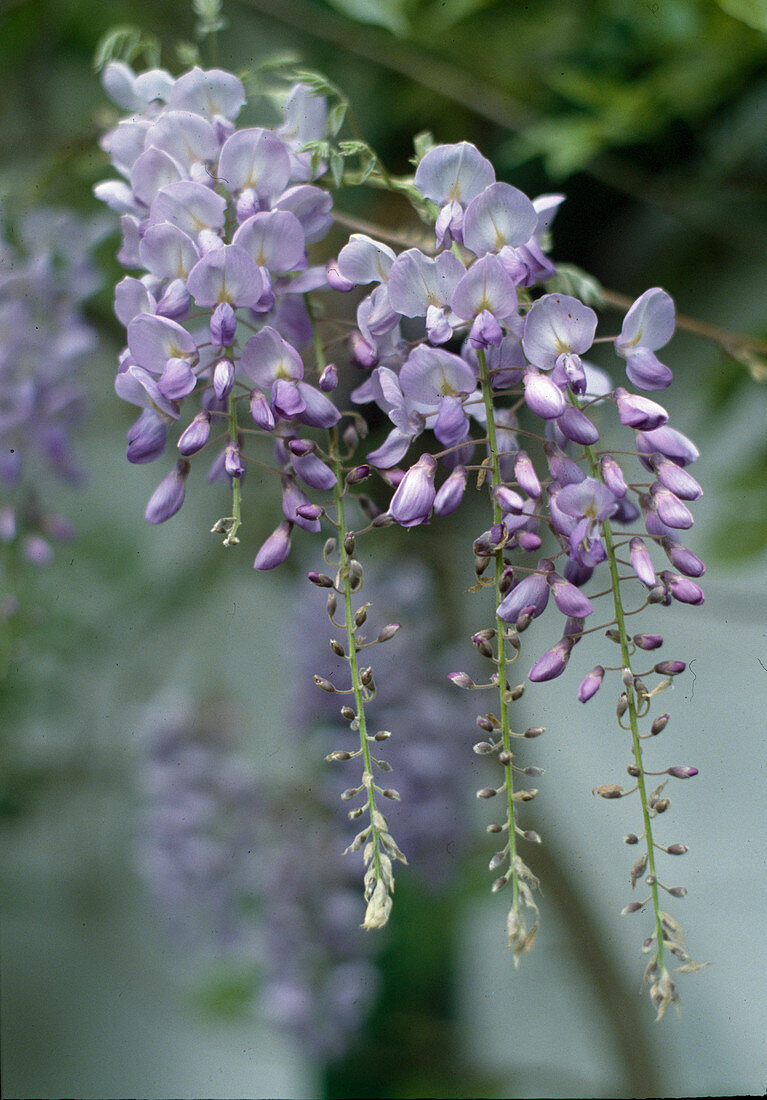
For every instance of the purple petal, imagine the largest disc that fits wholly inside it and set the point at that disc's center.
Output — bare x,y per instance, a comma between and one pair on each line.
501,215
189,206
256,159
210,93
649,322
276,548
312,206
168,497
364,260
646,371
576,426
417,282
414,497
274,239
267,357
569,599
432,373
641,562
319,411
186,137
168,252
227,274
450,494
486,285
154,340
147,437
553,663
453,173
151,171
668,442
543,397
557,324
132,298
531,592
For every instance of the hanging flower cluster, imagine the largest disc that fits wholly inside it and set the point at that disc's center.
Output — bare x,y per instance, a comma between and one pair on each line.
469,343
518,371
46,274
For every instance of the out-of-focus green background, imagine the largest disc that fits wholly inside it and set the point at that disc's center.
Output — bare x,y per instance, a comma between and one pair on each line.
652,119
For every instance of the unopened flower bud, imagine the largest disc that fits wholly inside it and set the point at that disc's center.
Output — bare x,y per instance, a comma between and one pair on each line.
669,668
499,884
623,705
223,378
677,891
483,646
608,790
388,632
632,907
534,731
461,679
483,748
682,771
382,735
677,849
659,724
631,838
324,685
487,792
504,757
591,684
359,473
337,648
196,435
347,713
329,378
647,641
634,771
322,580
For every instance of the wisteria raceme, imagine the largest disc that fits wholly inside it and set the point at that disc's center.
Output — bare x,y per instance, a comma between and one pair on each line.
46,275
217,850
521,353
472,353
425,755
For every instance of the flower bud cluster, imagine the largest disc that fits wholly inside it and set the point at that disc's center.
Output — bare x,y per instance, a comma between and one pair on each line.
432,820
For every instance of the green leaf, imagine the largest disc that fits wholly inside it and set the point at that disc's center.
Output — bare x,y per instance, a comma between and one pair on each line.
336,164
570,279
751,12
336,117
381,13
422,143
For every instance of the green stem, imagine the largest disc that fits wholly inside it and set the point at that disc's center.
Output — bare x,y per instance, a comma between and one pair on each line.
500,626
607,535
344,575
351,643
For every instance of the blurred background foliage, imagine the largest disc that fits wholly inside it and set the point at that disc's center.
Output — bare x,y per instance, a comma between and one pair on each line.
650,116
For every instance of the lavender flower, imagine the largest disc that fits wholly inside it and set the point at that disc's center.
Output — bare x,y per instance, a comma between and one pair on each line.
46,342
